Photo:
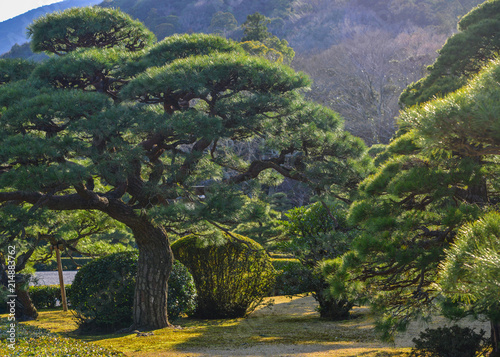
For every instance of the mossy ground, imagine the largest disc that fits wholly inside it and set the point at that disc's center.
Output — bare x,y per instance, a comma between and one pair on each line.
289,328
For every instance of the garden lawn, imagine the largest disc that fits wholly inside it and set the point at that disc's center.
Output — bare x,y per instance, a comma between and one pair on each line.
291,327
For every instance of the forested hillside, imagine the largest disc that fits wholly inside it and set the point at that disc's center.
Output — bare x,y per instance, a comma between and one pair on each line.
361,54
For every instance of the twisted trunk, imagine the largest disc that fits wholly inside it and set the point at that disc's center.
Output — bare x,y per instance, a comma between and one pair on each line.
495,338
153,271
153,268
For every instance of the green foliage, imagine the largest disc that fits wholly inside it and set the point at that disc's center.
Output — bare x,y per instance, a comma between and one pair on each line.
470,271
231,276
66,31
35,341
452,341
12,70
46,296
291,277
465,120
255,28
317,233
102,293
181,46
462,56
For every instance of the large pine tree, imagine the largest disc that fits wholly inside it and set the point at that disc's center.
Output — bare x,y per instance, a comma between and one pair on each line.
117,124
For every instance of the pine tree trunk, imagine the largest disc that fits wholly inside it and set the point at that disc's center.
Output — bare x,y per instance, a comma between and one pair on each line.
25,309
495,338
154,267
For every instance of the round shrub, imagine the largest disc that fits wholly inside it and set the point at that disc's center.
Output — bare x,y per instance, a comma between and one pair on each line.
102,293
452,341
231,278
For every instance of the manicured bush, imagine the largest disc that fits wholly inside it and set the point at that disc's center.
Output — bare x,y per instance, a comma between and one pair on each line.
102,293
291,277
231,277
452,341
46,296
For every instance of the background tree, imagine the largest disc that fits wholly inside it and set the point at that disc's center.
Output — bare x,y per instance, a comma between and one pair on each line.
463,55
255,28
134,134
363,76
442,173
257,40
313,234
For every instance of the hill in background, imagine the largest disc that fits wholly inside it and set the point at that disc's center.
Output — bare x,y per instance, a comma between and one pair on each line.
361,54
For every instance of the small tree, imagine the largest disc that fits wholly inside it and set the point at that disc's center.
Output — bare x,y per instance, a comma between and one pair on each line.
255,28
317,233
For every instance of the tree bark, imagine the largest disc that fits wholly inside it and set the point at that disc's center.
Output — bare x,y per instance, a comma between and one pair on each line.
153,271
495,338
25,310
155,255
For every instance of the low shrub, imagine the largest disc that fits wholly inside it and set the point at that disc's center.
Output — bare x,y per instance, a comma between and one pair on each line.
231,278
102,293
291,277
47,296
452,341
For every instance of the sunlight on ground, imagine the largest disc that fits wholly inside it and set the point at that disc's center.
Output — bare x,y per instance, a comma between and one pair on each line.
291,327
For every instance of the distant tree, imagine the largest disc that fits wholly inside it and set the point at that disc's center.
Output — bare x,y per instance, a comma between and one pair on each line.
223,23
255,28
257,40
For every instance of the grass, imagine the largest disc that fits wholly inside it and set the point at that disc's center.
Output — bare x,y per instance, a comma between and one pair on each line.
40,342
290,327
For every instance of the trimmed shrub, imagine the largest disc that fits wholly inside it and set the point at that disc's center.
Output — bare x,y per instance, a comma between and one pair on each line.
452,341
46,296
231,278
291,277
102,293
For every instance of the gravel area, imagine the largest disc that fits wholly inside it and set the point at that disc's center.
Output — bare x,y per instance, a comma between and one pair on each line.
52,277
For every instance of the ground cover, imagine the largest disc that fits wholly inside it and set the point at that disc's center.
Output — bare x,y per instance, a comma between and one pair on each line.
291,327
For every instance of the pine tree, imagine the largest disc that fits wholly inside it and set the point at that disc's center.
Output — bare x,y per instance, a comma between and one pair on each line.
132,129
